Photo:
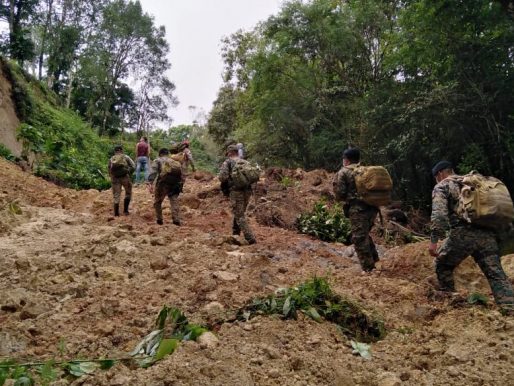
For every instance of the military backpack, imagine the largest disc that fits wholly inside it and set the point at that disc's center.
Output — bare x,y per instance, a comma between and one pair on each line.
243,174
170,169
484,201
374,185
119,165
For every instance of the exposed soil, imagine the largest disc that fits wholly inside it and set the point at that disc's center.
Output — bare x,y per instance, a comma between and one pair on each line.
72,275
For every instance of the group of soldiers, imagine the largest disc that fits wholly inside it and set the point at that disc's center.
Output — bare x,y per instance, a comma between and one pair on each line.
461,239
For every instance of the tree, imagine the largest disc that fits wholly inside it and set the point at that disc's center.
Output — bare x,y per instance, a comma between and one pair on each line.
19,14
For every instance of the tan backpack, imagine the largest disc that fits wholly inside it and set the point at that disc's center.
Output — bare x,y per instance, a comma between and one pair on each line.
485,201
374,185
170,168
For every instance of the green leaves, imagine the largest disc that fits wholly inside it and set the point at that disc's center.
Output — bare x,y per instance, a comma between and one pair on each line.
166,347
316,299
78,369
325,223
478,298
361,349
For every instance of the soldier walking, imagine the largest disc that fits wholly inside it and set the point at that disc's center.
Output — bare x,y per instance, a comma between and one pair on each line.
239,198
362,216
463,239
167,176
120,168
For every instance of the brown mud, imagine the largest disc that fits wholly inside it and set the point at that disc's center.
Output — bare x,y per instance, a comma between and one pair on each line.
75,282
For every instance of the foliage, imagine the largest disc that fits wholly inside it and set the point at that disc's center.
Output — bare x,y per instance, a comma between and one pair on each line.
478,298
67,150
6,153
316,299
173,327
409,82
325,223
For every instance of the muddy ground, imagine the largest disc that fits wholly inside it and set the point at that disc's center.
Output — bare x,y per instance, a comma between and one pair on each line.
77,283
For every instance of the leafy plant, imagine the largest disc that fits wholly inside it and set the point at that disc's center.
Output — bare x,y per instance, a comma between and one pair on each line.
478,298
173,327
6,153
316,299
325,223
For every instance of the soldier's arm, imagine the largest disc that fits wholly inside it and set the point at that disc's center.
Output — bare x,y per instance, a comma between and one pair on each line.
340,186
224,174
155,170
440,222
130,162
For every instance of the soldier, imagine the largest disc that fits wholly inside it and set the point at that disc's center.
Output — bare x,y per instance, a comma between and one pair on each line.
165,185
239,199
463,239
120,168
362,216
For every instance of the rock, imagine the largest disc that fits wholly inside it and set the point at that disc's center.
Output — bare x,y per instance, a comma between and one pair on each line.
31,311
458,352
157,241
247,327
317,181
257,361
22,263
388,379
111,273
271,352
190,201
100,250
105,329
214,308
208,340
283,270
159,263
225,276
126,246
274,373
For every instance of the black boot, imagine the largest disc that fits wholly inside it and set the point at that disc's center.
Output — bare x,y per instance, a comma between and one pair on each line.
116,210
236,230
126,204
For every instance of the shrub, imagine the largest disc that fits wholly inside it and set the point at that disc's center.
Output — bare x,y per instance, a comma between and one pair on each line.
325,223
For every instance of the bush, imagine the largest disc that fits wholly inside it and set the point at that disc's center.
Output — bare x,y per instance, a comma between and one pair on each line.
325,223
67,150
6,153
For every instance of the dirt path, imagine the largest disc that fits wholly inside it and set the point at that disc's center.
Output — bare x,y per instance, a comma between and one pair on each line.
77,282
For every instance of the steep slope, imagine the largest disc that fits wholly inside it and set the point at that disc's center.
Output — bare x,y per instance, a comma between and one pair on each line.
9,121
73,277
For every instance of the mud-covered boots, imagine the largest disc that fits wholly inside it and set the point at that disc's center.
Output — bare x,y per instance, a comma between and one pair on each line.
126,204
116,210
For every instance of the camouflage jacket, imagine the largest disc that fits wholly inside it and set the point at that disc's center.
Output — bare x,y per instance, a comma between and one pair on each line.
225,169
155,170
445,198
344,184
130,163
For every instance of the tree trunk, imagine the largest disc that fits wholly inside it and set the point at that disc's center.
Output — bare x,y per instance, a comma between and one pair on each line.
43,38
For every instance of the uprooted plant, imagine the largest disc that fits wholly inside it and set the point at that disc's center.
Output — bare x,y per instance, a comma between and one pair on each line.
316,299
172,328
326,223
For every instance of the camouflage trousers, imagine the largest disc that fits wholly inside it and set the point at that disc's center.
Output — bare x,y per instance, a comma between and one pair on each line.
117,183
483,246
239,200
362,217
162,190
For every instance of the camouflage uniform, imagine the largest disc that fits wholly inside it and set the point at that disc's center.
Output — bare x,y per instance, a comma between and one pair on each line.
239,200
118,182
465,239
362,216
171,187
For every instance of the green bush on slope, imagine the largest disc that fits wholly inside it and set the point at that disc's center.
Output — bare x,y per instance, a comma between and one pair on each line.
67,150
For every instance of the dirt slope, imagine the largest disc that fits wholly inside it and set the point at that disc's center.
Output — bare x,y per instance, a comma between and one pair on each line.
72,276
9,122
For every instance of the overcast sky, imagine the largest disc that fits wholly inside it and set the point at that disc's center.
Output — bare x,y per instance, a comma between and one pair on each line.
194,29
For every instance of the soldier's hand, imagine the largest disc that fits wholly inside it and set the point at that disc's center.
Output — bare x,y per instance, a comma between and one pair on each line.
432,249
150,188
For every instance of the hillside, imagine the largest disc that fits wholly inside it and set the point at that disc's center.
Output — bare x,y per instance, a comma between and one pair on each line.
77,283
